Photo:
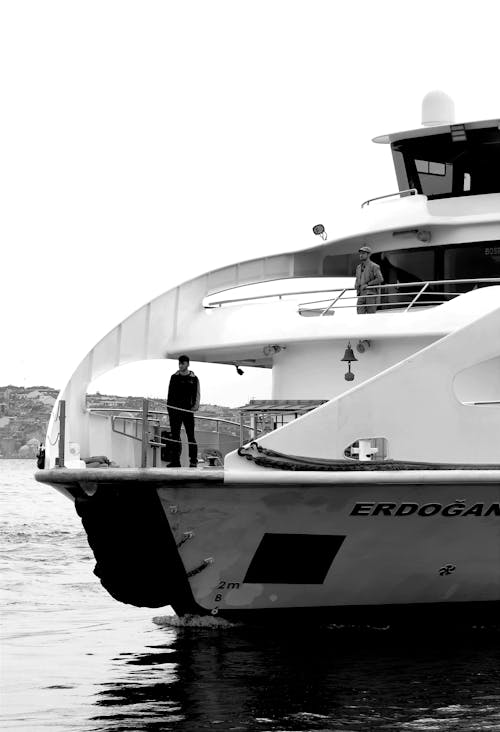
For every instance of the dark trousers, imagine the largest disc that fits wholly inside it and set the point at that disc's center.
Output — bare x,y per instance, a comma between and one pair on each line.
177,419
368,303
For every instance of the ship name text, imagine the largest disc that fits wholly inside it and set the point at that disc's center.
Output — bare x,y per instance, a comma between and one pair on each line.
458,508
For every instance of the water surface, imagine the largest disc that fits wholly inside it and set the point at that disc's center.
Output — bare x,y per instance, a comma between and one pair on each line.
74,659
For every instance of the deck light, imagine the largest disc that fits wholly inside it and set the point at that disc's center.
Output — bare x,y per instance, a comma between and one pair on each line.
424,236
319,230
349,357
362,345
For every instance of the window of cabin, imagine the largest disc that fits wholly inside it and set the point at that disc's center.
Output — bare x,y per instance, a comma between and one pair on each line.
406,265
435,178
471,261
477,260
340,265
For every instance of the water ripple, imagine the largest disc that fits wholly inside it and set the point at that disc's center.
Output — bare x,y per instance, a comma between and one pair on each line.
74,659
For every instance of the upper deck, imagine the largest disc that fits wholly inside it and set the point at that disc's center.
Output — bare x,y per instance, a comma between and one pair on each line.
426,236
412,238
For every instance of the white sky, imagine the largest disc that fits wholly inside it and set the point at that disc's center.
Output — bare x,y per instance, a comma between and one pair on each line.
145,142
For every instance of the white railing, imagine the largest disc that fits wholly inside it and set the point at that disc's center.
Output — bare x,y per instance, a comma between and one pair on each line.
395,296
279,295
158,412
401,194
145,425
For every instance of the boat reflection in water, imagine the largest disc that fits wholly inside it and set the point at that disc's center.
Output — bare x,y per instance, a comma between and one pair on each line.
304,679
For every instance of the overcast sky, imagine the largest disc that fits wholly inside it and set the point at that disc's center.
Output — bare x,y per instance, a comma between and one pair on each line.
143,143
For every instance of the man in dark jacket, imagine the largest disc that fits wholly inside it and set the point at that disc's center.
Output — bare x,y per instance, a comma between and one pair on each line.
183,393
368,275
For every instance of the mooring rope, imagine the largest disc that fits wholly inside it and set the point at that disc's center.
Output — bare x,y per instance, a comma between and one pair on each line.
271,459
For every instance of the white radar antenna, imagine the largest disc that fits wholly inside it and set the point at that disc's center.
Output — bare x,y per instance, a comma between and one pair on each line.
437,109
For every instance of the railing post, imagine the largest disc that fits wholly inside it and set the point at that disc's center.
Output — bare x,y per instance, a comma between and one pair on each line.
145,433
156,439
253,424
62,431
420,292
333,303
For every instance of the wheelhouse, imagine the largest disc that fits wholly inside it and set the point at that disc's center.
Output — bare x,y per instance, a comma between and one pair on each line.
457,160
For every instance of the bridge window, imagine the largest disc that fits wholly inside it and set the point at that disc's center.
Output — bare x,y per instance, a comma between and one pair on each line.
425,166
443,165
435,178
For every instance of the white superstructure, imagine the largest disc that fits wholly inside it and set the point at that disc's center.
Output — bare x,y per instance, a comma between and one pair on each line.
426,385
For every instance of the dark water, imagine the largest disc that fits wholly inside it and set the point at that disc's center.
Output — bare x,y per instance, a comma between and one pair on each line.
74,659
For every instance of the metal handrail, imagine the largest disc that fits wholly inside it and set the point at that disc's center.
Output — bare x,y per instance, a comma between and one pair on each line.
377,291
388,294
406,191
151,419
160,412
483,403
279,295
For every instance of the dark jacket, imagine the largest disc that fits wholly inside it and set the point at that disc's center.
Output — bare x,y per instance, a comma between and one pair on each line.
368,274
184,391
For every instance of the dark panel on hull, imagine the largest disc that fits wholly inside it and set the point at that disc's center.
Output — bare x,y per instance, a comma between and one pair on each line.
136,556
293,558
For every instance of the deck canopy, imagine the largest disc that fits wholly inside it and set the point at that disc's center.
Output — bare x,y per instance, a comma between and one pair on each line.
281,406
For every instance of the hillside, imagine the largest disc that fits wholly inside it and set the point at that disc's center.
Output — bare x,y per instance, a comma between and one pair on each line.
25,413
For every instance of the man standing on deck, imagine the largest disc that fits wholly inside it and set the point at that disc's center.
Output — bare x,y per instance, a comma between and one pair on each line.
368,274
183,393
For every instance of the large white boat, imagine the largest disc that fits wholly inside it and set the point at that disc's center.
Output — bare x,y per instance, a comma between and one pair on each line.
368,488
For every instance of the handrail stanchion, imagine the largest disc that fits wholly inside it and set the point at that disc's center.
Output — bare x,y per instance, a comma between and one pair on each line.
62,431
241,429
144,450
420,292
156,441
333,303
253,425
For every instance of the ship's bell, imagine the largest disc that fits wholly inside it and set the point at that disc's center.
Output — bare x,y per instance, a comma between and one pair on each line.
349,354
349,357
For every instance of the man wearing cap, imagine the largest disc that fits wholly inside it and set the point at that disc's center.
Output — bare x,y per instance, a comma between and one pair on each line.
183,393
368,275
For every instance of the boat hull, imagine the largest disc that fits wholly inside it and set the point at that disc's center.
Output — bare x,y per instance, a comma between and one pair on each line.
347,552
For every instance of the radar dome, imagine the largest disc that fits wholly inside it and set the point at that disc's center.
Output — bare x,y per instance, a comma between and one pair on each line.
437,109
